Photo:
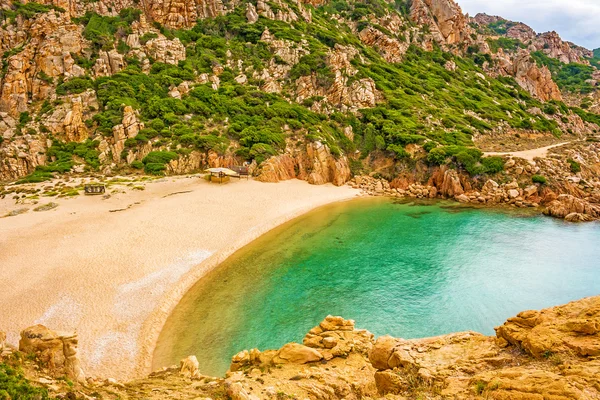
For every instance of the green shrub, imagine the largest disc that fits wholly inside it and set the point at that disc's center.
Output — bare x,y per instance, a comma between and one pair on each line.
61,154
74,86
399,151
539,179
437,156
575,166
155,162
137,164
493,165
14,385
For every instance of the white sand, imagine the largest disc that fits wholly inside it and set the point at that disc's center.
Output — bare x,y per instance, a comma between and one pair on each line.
528,155
115,276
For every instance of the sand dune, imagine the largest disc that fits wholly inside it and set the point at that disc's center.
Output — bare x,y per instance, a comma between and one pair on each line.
115,276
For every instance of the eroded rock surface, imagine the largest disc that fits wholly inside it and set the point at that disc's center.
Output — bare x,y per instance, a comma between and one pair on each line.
548,354
57,351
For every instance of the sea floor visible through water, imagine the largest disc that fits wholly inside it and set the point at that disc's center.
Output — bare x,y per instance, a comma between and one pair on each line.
408,269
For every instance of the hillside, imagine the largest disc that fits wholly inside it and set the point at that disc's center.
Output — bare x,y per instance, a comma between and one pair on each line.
316,90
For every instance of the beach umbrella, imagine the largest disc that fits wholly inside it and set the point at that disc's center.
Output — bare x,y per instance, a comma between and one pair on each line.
224,171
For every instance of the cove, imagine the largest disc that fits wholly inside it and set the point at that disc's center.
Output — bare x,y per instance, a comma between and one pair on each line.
410,270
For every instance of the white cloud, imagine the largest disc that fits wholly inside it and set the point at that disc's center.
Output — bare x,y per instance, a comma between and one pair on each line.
575,20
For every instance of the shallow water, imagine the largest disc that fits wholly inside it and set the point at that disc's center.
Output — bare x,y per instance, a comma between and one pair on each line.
409,270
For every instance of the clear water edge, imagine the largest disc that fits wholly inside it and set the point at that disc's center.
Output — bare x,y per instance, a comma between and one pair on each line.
409,270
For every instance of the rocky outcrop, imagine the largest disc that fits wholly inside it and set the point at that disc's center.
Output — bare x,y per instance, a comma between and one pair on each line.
312,162
197,161
46,55
21,155
108,63
337,337
179,14
166,51
537,81
460,365
56,351
547,354
392,50
189,367
553,46
445,19
550,43
75,129
573,209
570,329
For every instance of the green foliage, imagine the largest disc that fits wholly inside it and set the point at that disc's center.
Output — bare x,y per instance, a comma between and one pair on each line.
102,30
399,151
575,166
539,179
155,162
137,165
74,86
437,156
26,10
500,27
504,43
14,385
493,165
146,37
61,154
313,63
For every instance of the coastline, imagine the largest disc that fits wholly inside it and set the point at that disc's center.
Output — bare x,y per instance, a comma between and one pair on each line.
173,232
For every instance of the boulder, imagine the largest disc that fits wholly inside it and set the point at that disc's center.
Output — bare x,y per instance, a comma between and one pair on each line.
576,209
513,193
569,329
56,351
189,366
462,198
294,353
336,337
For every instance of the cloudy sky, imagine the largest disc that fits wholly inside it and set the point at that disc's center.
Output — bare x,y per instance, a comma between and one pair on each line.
575,20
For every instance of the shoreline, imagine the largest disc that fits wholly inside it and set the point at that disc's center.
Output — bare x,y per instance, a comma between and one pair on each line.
154,325
115,276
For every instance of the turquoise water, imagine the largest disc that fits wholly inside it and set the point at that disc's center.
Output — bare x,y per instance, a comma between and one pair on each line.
409,270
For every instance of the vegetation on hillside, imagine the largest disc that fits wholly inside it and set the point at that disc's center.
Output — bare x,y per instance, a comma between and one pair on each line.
424,102
14,385
572,77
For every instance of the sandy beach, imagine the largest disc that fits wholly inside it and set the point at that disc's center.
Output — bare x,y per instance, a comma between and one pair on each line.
113,269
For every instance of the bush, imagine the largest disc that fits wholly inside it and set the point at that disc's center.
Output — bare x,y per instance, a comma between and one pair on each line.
493,165
437,156
575,166
155,162
399,151
539,179
74,86
14,385
137,165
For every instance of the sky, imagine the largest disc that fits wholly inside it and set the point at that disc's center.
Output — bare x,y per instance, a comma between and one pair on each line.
577,21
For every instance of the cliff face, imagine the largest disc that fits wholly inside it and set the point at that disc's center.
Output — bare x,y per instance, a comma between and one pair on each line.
548,354
444,18
535,80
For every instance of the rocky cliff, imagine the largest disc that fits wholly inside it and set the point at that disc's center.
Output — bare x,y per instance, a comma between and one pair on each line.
548,354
